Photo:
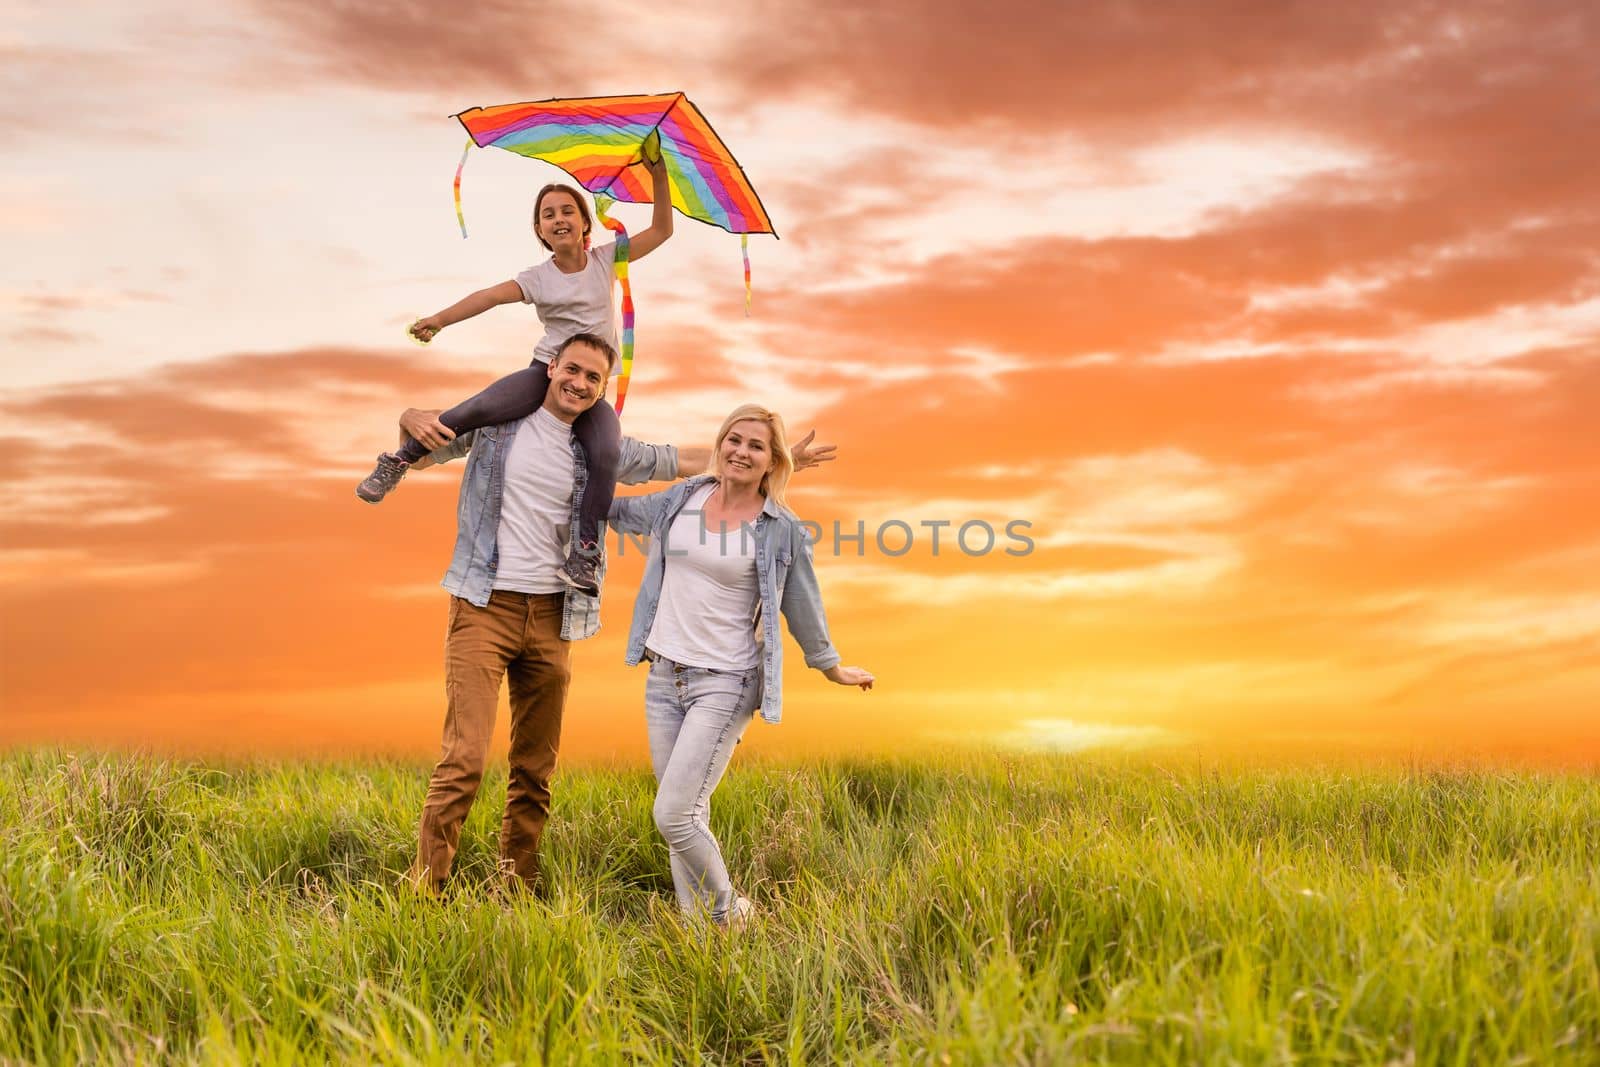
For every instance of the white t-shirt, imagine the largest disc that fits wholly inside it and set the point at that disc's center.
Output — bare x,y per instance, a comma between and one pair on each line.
536,506
706,616
571,303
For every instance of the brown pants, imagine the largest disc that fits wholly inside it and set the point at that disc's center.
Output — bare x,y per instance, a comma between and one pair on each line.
517,636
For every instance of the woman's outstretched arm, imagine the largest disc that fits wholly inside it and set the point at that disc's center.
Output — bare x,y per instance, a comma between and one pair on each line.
696,459
693,460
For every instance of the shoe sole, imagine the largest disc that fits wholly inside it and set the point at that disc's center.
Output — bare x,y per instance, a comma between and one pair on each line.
377,498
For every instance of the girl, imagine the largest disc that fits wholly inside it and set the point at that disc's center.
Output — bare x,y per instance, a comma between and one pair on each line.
726,556
571,291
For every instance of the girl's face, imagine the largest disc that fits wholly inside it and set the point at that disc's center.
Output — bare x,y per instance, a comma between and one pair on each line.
560,223
746,454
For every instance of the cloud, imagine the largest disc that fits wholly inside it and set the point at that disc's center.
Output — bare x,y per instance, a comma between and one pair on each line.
1075,64
1279,322
1127,73
1203,588
499,47
212,489
38,91
1489,621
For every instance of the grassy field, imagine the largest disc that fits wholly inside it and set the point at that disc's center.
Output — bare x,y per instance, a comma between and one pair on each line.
988,911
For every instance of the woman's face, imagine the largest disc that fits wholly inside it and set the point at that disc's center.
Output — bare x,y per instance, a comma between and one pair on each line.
746,453
560,221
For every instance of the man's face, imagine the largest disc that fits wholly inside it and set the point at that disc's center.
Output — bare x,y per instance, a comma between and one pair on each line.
577,381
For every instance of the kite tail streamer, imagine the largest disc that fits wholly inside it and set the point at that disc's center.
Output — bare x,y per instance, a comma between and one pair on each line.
459,217
744,249
619,267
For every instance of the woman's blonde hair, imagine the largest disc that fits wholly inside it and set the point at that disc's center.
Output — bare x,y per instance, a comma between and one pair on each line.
775,481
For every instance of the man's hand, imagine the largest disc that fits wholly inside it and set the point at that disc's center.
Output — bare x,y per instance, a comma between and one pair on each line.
424,426
806,454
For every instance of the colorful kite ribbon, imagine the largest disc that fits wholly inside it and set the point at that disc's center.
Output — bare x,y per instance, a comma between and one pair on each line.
619,267
459,217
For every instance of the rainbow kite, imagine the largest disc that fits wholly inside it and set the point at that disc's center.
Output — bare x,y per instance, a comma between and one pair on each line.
599,140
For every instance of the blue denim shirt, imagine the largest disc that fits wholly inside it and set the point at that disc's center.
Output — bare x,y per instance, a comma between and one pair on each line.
477,552
786,581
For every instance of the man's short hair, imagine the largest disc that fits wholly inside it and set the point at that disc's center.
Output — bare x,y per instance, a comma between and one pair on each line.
593,340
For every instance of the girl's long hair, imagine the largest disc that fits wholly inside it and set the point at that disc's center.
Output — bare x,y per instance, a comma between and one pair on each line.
775,481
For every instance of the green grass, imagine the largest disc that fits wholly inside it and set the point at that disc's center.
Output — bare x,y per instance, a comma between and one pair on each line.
985,911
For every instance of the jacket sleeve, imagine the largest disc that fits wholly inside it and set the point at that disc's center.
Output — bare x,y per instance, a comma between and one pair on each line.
639,462
455,448
802,605
637,514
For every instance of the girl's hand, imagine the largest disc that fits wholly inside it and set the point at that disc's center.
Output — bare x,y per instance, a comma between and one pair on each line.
426,329
654,161
806,455
850,676
658,174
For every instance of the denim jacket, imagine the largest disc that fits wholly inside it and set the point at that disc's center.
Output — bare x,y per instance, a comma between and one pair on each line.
477,552
786,581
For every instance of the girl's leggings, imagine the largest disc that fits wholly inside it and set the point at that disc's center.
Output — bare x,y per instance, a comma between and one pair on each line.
519,395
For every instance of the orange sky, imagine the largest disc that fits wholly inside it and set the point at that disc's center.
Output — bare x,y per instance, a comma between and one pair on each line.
1279,324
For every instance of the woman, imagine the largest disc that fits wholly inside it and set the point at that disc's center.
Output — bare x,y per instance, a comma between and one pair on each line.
571,291
726,556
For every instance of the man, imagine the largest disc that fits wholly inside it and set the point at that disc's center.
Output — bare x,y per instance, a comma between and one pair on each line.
511,614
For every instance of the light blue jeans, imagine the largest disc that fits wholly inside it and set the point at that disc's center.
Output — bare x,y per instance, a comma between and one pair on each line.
695,718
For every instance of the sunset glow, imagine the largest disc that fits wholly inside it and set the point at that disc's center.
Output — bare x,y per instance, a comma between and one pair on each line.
1277,327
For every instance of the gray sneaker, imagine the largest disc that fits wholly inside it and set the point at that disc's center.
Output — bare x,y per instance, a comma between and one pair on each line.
740,914
375,486
582,569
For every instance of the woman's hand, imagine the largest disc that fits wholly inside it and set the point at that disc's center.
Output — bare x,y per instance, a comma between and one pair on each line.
806,455
426,329
425,427
850,676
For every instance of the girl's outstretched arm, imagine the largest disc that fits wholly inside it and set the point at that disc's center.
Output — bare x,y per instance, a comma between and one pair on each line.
476,304
642,244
